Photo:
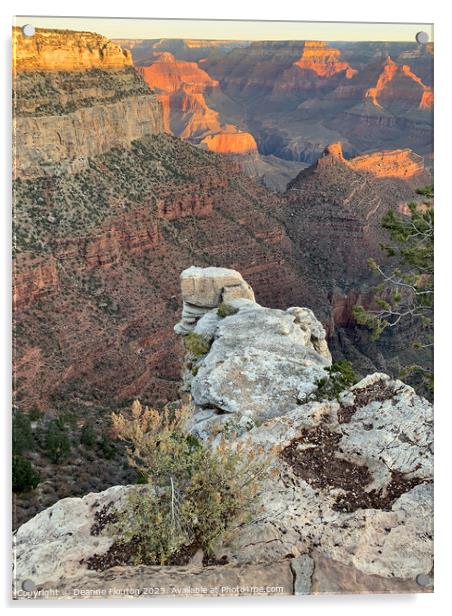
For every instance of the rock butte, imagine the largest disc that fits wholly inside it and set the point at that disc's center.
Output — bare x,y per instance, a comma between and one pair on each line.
390,163
168,75
231,143
403,164
323,60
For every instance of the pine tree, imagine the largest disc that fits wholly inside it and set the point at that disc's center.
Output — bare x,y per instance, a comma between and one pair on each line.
58,444
406,291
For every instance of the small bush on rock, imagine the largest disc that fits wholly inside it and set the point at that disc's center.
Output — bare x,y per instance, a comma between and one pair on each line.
340,376
195,344
226,310
58,444
87,436
195,495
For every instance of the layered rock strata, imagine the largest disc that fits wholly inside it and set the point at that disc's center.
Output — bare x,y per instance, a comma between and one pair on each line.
58,50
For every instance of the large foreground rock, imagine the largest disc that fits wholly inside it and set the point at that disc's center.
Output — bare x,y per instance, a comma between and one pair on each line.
261,362
354,483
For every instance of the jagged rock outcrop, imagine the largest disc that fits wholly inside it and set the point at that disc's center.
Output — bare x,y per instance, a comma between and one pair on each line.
364,461
260,362
254,351
348,507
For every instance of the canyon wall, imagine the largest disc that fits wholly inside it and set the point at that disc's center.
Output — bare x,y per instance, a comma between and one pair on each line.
75,96
182,86
56,50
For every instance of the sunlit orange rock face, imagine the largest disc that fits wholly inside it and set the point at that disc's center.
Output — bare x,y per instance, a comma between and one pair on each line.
402,164
180,87
231,143
427,99
397,81
52,50
169,75
323,60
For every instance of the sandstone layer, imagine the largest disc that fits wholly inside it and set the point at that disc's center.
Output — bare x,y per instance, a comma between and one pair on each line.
75,96
64,50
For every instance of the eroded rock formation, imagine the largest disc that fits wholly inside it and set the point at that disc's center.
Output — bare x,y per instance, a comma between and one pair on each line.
323,60
394,79
181,87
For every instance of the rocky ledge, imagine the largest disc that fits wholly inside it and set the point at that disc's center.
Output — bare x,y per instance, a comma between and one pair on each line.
349,507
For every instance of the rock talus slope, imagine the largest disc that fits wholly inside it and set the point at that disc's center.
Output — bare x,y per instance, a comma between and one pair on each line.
349,505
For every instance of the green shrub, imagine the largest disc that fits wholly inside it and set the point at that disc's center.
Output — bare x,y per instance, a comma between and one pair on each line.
24,476
87,436
35,414
57,443
226,310
107,447
195,344
340,376
22,435
195,495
